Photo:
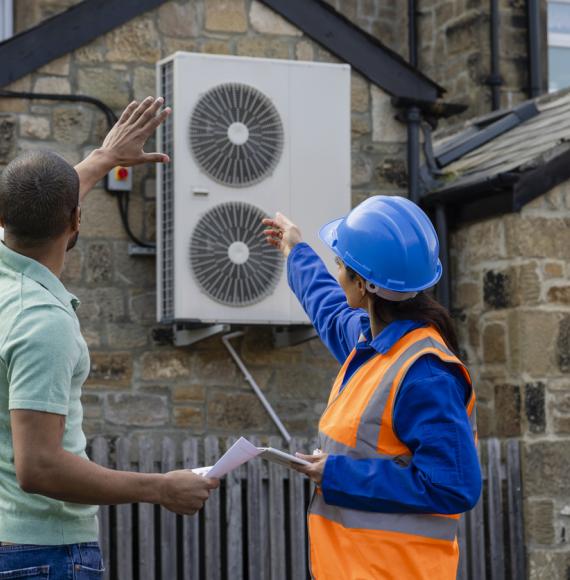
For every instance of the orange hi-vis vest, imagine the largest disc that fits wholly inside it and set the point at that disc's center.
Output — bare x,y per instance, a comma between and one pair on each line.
347,544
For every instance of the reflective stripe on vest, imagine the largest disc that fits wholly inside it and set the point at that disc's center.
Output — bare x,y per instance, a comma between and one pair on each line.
358,422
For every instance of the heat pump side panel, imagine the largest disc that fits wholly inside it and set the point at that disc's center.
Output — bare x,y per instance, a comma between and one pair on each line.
195,76
320,158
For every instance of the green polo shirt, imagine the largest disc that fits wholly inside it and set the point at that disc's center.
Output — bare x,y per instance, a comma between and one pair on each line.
44,362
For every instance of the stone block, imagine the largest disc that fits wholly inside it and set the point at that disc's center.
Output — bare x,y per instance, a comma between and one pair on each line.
17,105
144,82
546,469
172,45
111,368
99,263
478,242
548,564
494,343
133,272
360,125
137,410
52,84
92,53
465,33
367,8
72,271
142,306
392,172
360,94
257,348
497,289
361,171
165,365
101,304
559,295
527,330
126,336
531,237
563,345
236,412
59,66
216,47
553,270
137,41
385,127
266,21
8,139
100,216
508,410
178,20
559,408
304,382
72,125
110,86
534,407
304,51
92,406
35,127
214,368
188,417
539,519
467,295
189,393
226,15
263,47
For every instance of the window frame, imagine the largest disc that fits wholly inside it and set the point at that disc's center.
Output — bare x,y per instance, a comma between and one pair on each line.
6,19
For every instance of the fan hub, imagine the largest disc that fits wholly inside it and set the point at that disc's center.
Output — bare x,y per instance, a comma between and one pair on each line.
238,133
238,253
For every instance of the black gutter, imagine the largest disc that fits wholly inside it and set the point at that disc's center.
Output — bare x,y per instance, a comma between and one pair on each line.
534,48
412,34
413,120
443,288
63,33
362,51
495,80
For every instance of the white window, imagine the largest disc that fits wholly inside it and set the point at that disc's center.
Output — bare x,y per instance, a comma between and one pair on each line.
558,44
6,19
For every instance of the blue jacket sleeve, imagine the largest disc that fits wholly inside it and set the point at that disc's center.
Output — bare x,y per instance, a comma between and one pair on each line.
444,475
324,301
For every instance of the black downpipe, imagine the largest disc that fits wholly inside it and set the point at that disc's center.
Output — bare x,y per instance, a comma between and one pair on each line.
534,48
495,80
443,289
412,34
413,120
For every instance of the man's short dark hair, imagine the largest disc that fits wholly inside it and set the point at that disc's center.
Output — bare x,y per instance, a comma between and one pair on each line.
39,191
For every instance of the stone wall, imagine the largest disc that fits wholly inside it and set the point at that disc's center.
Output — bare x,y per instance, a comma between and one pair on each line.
455,50
138,380
511,292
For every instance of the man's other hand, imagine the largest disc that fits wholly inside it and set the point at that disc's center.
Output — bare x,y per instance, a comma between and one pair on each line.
184,492
124,145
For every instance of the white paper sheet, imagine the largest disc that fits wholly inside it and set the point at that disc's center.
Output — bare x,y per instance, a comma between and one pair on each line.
241,452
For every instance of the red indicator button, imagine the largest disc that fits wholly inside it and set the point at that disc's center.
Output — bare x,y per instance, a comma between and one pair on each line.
121,173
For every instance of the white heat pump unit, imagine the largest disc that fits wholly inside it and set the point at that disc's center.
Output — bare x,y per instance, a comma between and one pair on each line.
247,137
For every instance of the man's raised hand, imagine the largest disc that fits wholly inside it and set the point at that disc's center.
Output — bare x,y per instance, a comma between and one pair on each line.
124,144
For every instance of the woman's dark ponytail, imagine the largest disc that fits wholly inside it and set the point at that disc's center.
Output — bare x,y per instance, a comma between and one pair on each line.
422,307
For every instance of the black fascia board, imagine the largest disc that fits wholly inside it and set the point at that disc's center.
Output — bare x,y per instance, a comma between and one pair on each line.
362,51
64,33
473,139
539,181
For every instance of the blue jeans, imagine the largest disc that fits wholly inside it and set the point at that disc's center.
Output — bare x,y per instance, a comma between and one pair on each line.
71,562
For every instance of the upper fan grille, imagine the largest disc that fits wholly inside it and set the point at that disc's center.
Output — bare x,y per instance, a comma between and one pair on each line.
230,259
236,134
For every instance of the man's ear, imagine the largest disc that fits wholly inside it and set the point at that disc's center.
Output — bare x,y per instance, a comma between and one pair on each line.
76,219
361,284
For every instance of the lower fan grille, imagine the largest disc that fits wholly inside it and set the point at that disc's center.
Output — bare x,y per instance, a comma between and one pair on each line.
230,259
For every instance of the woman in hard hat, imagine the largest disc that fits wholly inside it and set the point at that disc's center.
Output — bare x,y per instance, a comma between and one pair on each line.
398,460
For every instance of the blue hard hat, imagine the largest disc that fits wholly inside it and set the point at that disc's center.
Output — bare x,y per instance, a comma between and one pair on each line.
389,241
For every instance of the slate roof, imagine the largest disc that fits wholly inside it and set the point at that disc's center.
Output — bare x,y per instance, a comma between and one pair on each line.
521,163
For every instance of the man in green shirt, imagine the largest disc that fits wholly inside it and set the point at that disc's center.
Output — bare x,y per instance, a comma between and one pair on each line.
49,489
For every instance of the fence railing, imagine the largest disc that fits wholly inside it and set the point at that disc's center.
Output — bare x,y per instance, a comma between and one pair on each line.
254,527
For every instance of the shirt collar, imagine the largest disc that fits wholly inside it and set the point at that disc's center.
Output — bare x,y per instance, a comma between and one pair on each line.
39,273
389,336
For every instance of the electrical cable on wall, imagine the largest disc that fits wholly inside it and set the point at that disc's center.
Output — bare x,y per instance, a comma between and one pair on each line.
123,198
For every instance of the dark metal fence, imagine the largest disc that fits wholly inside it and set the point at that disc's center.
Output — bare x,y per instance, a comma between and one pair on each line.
254,527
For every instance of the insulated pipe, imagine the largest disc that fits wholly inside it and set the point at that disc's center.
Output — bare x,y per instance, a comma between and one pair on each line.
412,34
495,80
413,119
226,340
443,290
534,48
